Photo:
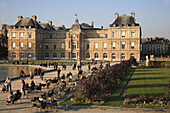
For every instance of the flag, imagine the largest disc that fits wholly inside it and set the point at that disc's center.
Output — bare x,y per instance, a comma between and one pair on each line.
76,14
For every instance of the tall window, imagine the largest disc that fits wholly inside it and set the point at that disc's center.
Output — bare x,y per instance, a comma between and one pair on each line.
114,45
113,34
13,45
74,46
62,45
22,45
46,55
54,55
123,34
21,55
113,56
13,55
122,56
105,45
29,45
62,55
73,55
50,36
13,35
54,46
29,35
96,55
105,55
22,35
132,34
96,45
132,45
29,55
123,45
46,46
87,46
87,55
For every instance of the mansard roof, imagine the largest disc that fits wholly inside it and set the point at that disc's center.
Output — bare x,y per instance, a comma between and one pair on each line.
124,20
26,22
46,26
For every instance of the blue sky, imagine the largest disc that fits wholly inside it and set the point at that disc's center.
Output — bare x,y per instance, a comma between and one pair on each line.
152,15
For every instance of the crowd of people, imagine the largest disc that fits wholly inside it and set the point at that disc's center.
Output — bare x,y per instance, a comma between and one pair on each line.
39,72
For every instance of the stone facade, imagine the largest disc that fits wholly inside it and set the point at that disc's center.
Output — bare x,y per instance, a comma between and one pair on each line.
158,46
30,39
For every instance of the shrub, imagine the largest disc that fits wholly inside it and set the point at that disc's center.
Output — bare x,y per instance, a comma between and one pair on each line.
103,81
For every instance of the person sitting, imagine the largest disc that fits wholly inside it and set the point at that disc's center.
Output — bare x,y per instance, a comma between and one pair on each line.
10,98
50,93
4,89
48,84
38,87
32,85
17,96
55,80
27,86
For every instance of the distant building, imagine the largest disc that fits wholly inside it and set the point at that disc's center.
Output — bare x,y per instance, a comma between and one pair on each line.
157,46
30,39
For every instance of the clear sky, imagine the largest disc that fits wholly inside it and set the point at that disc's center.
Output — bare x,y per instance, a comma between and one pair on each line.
152,15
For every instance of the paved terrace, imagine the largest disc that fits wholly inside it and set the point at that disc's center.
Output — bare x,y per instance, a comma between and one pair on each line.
24,106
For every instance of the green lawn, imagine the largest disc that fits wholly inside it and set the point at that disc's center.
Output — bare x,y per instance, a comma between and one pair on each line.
149,81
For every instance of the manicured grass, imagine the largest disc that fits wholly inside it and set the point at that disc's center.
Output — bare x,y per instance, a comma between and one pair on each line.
149,81
113,100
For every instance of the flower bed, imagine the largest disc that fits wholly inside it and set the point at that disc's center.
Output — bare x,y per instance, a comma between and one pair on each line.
144,100
103,81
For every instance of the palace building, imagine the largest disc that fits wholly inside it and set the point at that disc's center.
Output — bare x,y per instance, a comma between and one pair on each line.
30,39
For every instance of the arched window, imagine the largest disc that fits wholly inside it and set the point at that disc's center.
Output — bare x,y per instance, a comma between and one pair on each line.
105,55
96,55
13,55
21,55
29,55
87,55
74,55
132,55
62,55
46,55
54,55
113,56
122,56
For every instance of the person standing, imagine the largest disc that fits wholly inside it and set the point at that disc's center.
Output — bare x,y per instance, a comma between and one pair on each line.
58,73
23,87
8,83
31,75
42,75
89,67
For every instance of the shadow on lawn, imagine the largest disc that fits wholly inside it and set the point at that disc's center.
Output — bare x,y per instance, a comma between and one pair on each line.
146,73
148,78
146,86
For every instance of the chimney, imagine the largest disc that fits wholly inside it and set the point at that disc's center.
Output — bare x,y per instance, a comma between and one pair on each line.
133,15
34,17
62,26
116,15
50,23
19,18
92,24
